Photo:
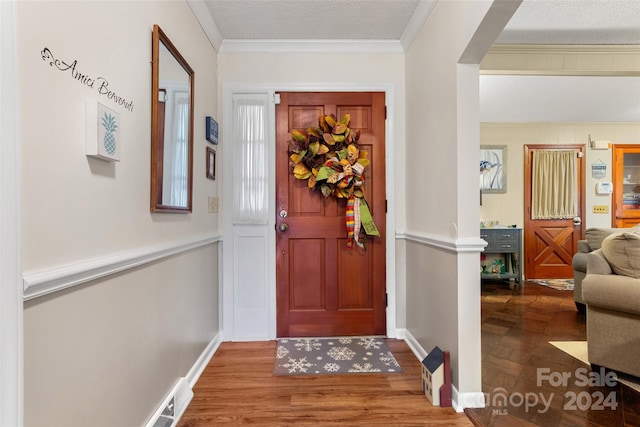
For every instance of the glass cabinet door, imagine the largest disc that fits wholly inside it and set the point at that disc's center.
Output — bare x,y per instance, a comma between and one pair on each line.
626,186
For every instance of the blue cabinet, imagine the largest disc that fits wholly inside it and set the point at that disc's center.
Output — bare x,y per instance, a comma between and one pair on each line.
507,243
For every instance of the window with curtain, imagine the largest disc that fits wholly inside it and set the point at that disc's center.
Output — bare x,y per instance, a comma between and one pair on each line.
179,163
250,159
554,185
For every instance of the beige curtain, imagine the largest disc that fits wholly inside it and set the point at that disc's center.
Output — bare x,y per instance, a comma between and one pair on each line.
554,185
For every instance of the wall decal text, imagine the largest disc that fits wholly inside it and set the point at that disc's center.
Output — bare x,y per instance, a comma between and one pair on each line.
101,84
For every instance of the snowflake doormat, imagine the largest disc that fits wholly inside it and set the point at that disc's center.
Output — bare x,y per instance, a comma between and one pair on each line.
348,355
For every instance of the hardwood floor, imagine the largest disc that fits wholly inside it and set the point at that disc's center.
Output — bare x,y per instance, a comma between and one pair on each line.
238,387
518,322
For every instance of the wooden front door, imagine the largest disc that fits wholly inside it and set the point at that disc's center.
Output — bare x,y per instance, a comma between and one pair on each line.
323,287
549,244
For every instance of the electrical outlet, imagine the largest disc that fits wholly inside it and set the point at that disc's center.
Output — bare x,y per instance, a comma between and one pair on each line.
600,209
213,205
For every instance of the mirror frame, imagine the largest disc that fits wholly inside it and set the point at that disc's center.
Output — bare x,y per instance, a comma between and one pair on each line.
157,146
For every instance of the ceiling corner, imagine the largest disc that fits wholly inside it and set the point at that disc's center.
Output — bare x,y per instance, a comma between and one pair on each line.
203,15
416,22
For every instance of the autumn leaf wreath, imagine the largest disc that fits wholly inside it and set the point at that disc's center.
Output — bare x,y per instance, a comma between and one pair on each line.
329,159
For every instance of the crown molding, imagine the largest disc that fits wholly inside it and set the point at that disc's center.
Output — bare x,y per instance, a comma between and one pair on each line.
558,60
385,47
206,21
416,22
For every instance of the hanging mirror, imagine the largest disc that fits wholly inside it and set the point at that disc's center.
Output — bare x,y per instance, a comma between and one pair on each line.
171,127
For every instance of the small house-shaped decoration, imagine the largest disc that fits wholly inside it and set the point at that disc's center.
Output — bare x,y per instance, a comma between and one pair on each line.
436,377
433,375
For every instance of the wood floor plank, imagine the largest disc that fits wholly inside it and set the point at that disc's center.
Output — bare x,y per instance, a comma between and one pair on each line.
238,387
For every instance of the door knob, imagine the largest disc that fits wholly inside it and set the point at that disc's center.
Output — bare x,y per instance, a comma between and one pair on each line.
283,227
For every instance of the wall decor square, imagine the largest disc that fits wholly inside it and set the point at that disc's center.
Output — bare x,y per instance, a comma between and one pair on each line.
103,137
493,168
211,130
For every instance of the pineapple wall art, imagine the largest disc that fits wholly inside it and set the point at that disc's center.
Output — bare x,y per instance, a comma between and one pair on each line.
109,127
103,132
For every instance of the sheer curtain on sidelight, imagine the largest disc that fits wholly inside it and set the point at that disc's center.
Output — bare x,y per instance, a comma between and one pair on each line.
554,185
179,156
250,159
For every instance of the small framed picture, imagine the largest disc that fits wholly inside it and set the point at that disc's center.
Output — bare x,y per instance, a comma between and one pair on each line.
211,163
212,130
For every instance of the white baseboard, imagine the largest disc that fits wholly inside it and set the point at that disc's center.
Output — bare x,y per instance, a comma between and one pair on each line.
459,401
173,406
176,402
413,344
202,362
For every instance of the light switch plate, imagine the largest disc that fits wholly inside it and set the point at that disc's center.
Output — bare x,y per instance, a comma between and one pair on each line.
213,204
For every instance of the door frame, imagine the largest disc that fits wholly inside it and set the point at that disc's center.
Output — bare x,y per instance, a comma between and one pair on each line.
528,191
227,288
11,289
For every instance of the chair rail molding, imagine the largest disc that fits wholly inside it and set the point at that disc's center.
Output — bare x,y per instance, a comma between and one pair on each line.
457,245
39,283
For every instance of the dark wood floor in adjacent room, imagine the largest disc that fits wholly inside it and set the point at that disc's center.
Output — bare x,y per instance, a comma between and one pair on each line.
517,324
238,387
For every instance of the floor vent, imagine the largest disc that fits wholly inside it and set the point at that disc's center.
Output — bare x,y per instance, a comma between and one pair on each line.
173,406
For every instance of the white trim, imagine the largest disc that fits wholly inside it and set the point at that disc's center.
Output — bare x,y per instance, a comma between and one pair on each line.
228,89
418,18
203,15
11,319
198,368
562,60
227,299
598,49
459,401
39,283
464,244
181,394
413,344
379,47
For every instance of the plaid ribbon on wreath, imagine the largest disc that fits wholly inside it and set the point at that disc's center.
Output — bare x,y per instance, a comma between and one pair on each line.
350,220
357,224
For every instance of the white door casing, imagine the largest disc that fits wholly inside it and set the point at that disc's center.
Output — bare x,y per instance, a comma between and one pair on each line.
11,364
248,304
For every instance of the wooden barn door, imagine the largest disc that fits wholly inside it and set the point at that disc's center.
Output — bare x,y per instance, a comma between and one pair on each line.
549,244
323,287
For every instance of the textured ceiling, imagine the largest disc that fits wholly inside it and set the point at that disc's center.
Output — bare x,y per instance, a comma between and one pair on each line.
536,21
574,22
312,19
